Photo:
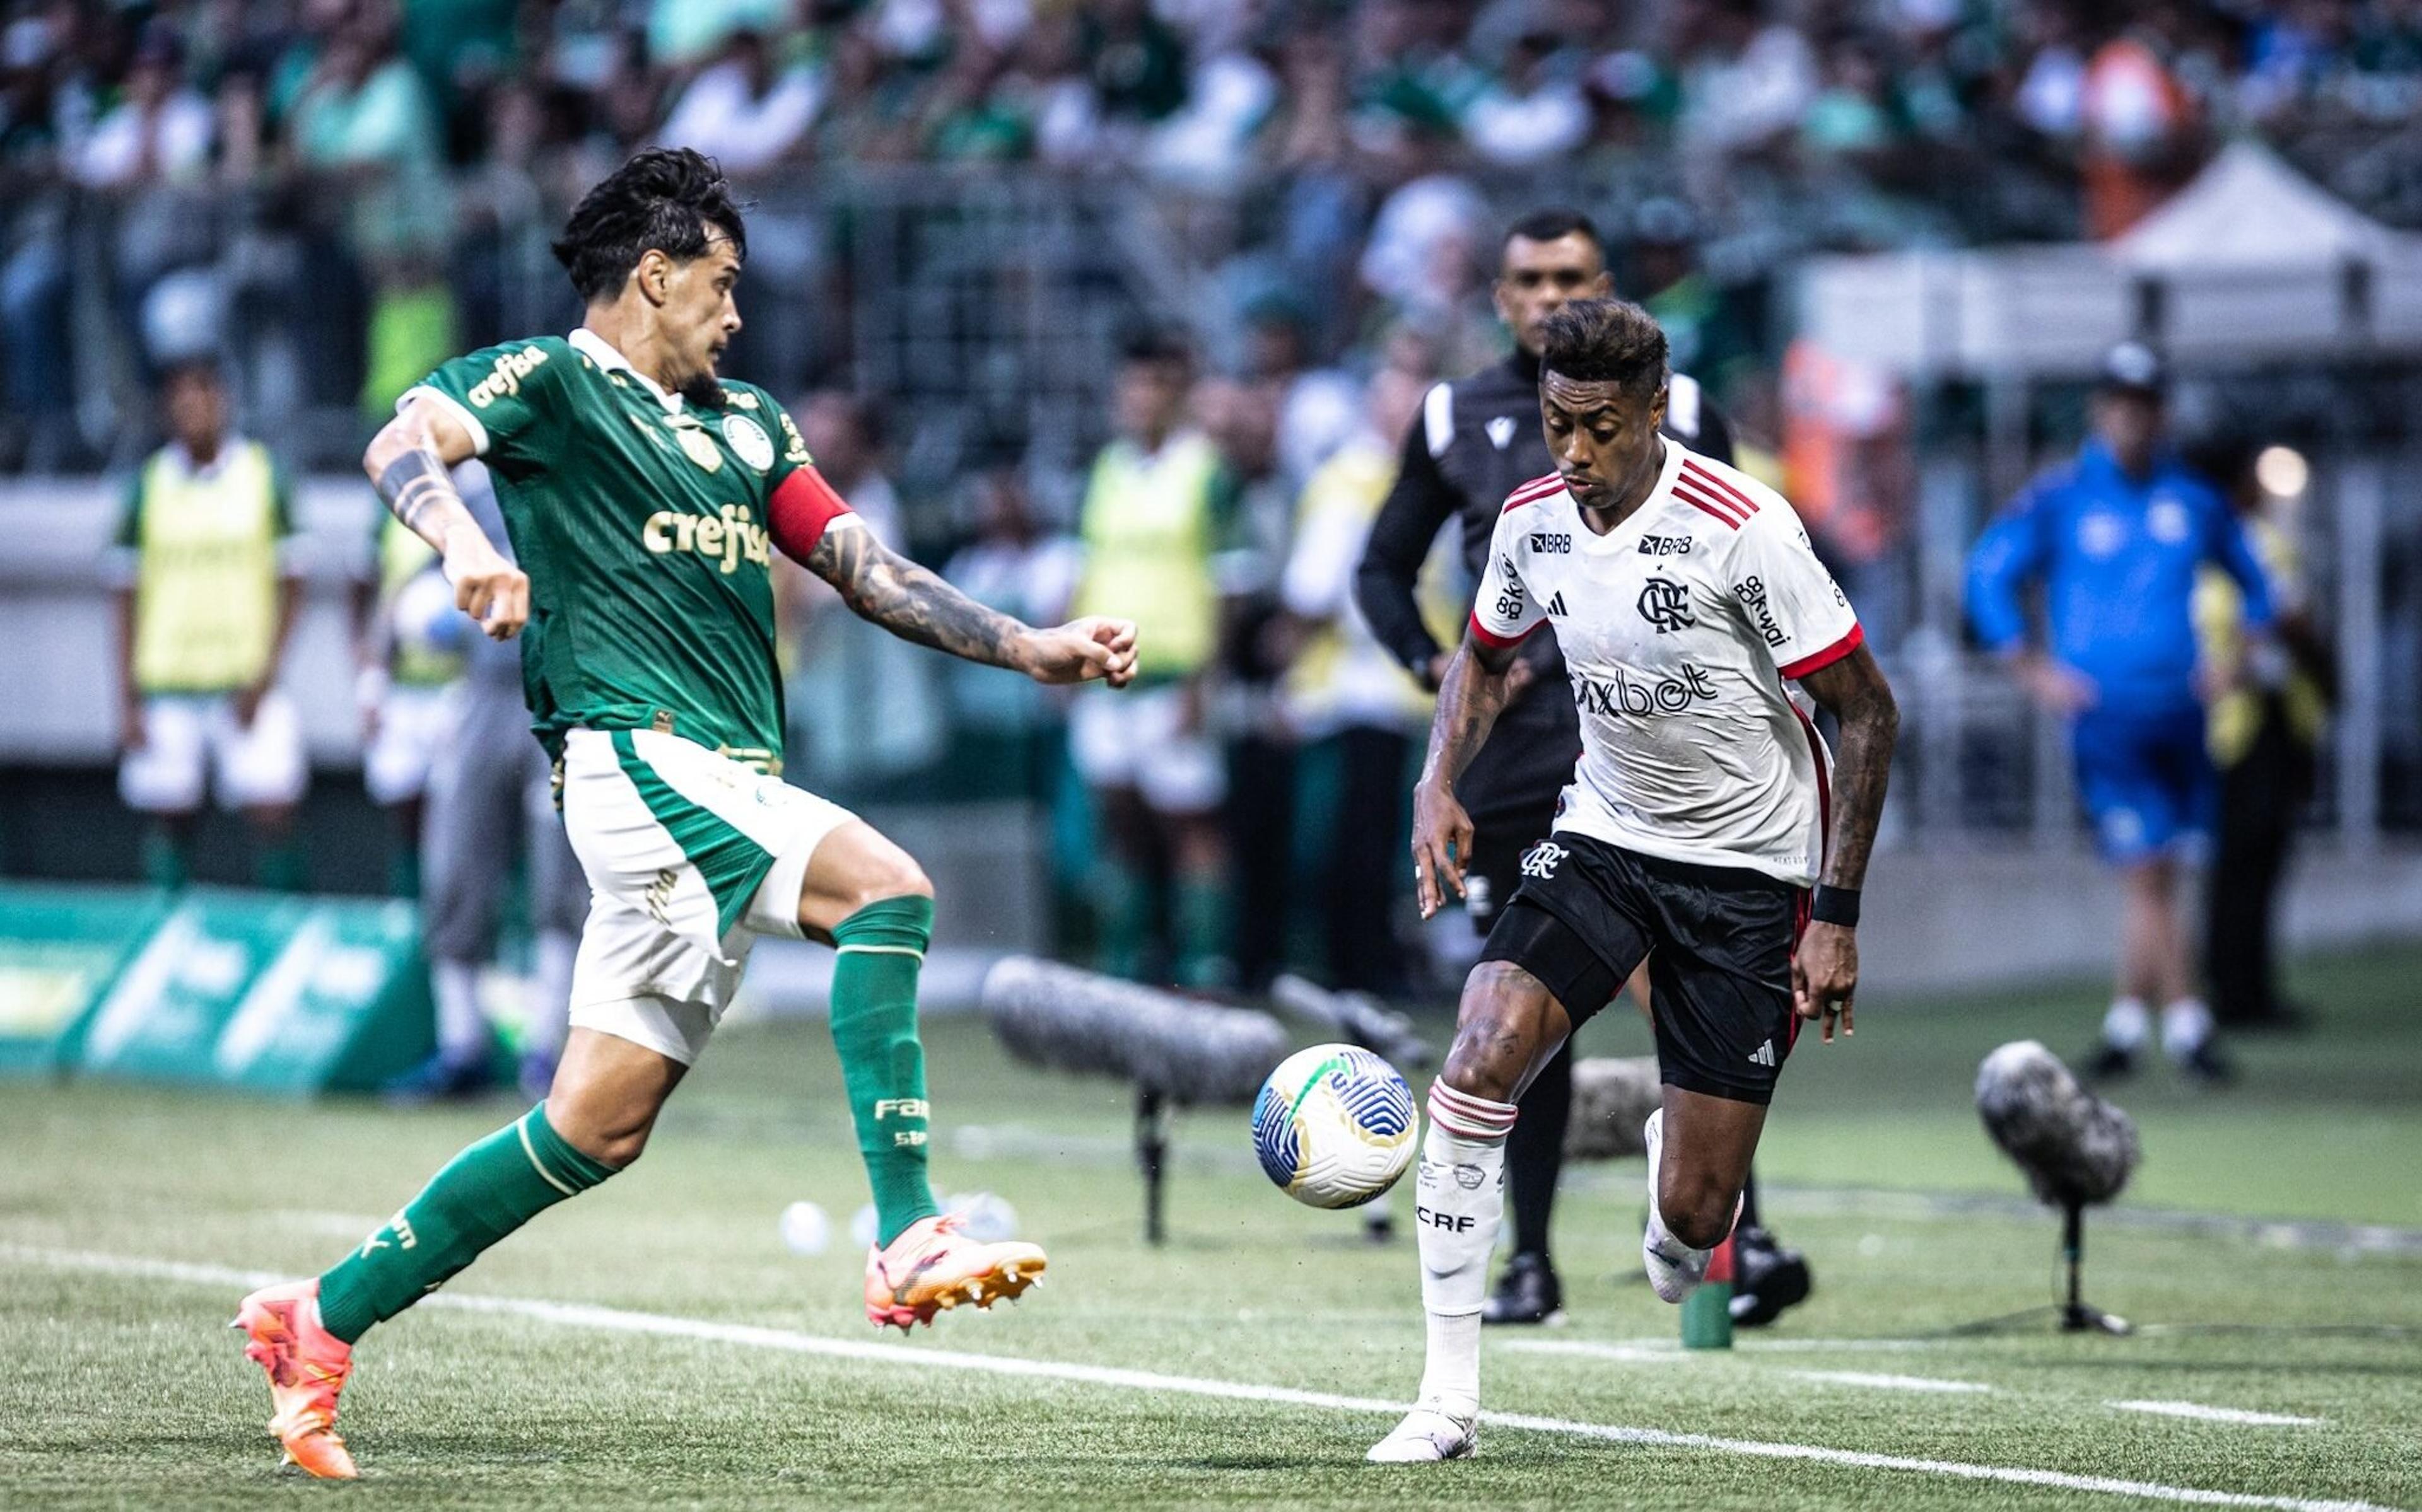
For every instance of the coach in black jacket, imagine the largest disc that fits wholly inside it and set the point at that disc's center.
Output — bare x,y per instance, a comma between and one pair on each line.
1477,439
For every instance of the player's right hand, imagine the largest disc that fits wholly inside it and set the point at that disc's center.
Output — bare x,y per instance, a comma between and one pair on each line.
1441,845
489,589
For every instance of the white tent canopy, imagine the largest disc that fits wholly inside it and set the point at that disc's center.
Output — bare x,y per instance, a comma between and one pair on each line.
2250,262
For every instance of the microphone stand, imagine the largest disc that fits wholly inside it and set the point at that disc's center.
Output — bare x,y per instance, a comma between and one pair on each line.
2075,1314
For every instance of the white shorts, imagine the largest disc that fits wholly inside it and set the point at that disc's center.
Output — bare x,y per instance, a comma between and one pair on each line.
1135,738
690,856
186,736
413,725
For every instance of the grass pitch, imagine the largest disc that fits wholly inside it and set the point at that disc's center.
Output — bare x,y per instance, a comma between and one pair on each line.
126,1213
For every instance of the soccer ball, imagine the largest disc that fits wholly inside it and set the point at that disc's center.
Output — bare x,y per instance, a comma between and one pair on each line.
1334,1126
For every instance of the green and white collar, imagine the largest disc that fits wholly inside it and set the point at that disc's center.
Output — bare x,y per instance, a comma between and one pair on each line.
602,351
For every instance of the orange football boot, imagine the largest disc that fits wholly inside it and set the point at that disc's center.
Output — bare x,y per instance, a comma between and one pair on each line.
931,1266
308,1366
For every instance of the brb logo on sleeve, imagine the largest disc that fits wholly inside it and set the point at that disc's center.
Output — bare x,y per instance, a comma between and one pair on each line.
1666,605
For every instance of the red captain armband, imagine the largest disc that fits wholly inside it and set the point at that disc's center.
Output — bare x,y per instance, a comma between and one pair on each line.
801,510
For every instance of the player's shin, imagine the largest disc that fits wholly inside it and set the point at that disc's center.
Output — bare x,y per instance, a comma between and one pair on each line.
881,949
1459,1202
484,1194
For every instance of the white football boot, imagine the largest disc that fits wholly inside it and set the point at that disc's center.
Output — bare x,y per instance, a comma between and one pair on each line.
1427,1434
1675,1268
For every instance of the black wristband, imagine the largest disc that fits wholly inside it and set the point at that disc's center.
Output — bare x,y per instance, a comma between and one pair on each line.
1835,905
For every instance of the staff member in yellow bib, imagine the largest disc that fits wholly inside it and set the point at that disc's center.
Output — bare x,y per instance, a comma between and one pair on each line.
1155,513
206,605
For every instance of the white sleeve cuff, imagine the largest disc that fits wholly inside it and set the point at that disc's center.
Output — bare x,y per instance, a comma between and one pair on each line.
462,413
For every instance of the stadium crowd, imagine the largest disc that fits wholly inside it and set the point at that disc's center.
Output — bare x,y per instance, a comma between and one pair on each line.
386,154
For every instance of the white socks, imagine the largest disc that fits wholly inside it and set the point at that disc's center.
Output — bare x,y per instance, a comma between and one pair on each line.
2185,1025
2127,1025
461,1028
1459,1202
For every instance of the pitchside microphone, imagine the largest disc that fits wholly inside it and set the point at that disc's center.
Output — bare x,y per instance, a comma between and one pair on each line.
2075,1148
1173,1050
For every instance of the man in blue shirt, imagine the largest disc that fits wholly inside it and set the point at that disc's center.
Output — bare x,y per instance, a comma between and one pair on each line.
2116,536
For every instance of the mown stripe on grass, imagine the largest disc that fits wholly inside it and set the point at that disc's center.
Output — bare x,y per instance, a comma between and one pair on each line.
619,1320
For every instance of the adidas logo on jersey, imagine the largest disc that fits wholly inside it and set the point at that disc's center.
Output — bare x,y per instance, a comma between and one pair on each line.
1763,1055
1555,604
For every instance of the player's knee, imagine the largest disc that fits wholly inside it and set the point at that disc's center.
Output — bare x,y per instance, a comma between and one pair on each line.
895,874
1697,1211
613,1144
1496,1032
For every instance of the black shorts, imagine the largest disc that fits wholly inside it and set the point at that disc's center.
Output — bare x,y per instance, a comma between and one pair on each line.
1499,841
1718,940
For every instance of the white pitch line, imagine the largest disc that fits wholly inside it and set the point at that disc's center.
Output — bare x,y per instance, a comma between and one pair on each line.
2217,1414
1628,1353
1891,1384
617,1320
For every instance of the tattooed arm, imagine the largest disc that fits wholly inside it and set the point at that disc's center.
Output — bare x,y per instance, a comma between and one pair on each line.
889,589
409,462
1479,683
1825,969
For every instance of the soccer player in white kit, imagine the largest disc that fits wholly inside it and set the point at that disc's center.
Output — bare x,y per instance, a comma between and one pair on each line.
1686,597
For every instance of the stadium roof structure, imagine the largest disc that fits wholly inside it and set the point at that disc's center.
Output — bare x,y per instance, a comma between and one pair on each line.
2250,263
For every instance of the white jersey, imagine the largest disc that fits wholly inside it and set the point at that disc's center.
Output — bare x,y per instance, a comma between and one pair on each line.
1679,629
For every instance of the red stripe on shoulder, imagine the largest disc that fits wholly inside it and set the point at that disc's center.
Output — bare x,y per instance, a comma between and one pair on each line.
1493,640
1720,488
1533,492
1818,662
1705,504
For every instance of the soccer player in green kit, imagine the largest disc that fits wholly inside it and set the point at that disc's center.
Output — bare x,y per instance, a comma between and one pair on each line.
645,495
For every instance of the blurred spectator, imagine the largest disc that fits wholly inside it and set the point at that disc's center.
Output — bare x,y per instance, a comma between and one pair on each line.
1155,512
2271,702
1533,113
160,129
1018,567
2117,537
1850,466
408,650
1346,697
744,112
490,795
206,604
862,705
2143,132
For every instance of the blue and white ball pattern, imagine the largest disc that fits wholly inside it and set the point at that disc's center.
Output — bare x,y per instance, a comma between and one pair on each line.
1334,1126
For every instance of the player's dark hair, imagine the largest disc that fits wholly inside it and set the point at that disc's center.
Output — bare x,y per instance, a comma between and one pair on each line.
666,200
1605,341
1553,225
1156,344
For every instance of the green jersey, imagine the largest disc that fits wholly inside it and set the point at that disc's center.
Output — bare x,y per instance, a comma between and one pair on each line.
642,524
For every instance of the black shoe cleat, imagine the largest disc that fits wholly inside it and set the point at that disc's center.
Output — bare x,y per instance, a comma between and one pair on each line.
2107,1062
1528,1292
2206,1066
1766,1278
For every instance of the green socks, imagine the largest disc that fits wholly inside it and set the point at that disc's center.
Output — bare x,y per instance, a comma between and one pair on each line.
484,1194
882,946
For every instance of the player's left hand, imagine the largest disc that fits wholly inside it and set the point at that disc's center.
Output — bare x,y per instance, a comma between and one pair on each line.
1081,650
1825,975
